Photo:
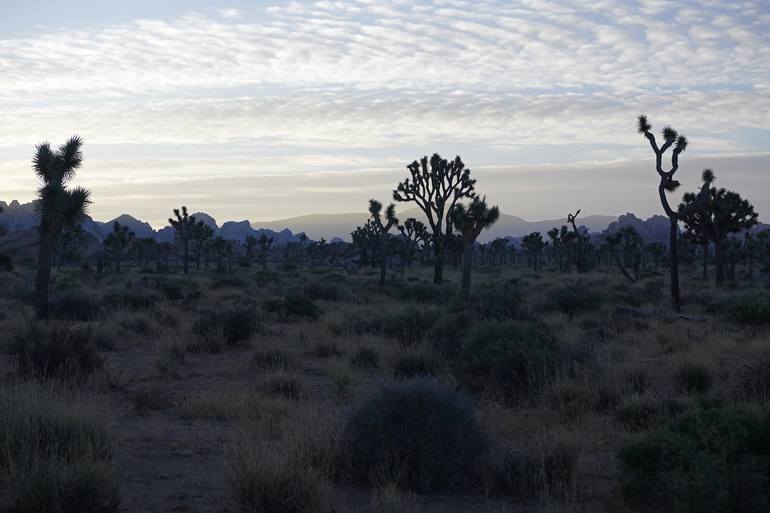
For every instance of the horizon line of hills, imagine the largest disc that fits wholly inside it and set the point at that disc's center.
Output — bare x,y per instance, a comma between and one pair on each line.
18,216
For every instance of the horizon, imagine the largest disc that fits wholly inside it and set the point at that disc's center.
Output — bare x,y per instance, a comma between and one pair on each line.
265,110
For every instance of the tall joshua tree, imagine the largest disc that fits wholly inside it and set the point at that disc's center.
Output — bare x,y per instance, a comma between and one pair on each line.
533,244
667,184
470,222
375,210
716,213
117,242
58,206
200,233
436,189
412,232
184,226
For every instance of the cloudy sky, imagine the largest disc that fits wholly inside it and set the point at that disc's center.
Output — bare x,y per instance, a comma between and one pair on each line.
263,110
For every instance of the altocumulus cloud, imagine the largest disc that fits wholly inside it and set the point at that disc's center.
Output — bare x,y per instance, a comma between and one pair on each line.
528,82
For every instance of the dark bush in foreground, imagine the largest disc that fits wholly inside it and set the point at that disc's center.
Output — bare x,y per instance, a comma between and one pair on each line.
6,263
55,454
409,325
55,351
75,305
418,434
754,311
692,378
508,358
132,299
234,326
326,291
293,305
416,363
446,334
573,299
714,457
501,302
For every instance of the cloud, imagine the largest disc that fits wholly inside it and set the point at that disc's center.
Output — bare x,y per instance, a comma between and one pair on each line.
231,14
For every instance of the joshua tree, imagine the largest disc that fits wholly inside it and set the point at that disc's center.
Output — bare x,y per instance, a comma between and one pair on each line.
365,237
58,206
436,189
264,242
116,243
200,233
184,227
533,244
613,242
716,213
470,222
667,184
375,210
412,232
582,251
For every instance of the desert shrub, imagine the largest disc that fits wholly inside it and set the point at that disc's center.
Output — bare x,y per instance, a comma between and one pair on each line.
171,359
714,457
292,306
692,378
132,299
319,290
424,293
408,325
273,359
138,323
175,290
501,302
364,358
330,350
572,299
75,305
545,468
266,479
55,351
752,311
6,263
752,381
640,412
285,385
419,434
445,335
509,358
56,453
635,381
232,281
410,364
233,325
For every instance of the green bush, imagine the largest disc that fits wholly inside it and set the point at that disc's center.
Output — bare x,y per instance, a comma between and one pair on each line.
75,305
572,299
409,325
56,454
714,457
55,351
418,434
292,306
319,290
754,311
508,358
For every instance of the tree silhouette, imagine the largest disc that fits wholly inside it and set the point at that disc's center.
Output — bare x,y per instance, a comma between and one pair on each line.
667,184
375,210
200,233
436,189
716,213
412,232
365,238
533,244
57,206
184,227
582,251
117,242
470,222
264,242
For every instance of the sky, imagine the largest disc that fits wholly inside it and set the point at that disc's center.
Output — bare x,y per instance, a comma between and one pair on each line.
262,110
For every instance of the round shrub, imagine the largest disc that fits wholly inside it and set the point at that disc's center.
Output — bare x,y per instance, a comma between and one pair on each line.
326,291
409,325
418,434
55,351
714,457
75,305
293,305
510,358
446,334
573,299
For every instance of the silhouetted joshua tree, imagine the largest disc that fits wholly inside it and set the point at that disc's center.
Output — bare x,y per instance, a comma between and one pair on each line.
117,242
716,213
470,222
375,210
365,238
57,206
184,226
412,232
533,244
200,233
436,189
264,242
582,251
667,184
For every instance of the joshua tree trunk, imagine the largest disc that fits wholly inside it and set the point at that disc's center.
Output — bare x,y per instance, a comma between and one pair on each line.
672,249
467,263
720,262
43,275
438,264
